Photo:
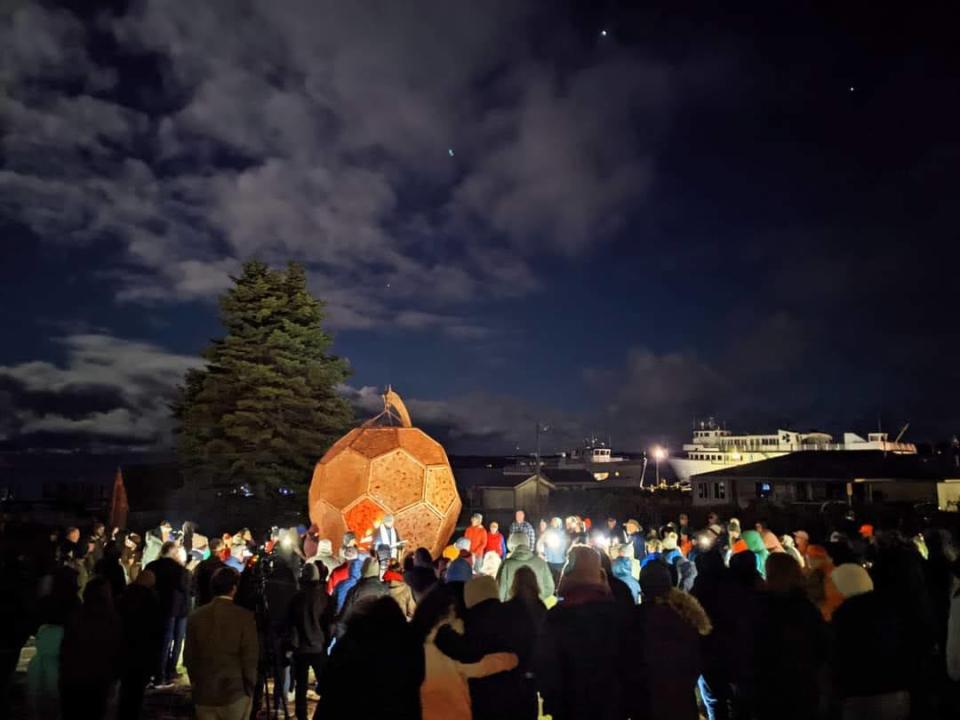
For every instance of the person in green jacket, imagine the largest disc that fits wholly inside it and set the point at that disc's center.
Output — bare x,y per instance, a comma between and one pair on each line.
521,555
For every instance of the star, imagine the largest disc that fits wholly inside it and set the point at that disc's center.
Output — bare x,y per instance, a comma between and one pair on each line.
450,152
852,88
603,33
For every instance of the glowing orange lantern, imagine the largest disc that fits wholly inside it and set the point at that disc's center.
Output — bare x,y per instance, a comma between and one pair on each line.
386,466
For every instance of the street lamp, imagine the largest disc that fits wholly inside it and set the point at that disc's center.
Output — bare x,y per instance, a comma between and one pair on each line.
658,454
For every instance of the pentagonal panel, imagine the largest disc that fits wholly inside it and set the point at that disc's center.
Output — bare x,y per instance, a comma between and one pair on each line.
373,442
447,527
340,444
343,477
328,519
363,516
396,479
419,526
440,488
423,447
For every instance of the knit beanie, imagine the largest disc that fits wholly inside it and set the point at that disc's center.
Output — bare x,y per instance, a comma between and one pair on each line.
480,589
655,580
459,571
851,580
371,568
583,567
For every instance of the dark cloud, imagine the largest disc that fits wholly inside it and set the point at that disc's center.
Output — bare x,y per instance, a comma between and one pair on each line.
321,132
108,393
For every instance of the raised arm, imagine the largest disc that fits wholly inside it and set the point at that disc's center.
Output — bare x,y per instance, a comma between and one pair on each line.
488,665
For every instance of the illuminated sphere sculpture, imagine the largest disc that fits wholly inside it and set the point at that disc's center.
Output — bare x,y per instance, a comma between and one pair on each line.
386,466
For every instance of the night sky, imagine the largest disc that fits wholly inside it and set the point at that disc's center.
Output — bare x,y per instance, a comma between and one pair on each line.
512,214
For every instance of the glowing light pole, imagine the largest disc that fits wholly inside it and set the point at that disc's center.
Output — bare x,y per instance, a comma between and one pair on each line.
658,454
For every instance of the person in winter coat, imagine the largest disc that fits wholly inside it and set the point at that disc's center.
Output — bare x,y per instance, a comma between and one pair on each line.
311,542
791,549
868,650
154,543
652,548
311,616
714,590
173,591
490,565
522,556
367,587
342,571
43,672
555,545
375,668
91,655
582,633
669,548
493,627
754,542
398,589
664,632
205,570
142,622
108,566
325,555
525,595
444,693
622,570
496,542
791,646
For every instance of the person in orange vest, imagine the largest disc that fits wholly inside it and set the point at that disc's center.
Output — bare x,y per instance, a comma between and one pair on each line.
477,535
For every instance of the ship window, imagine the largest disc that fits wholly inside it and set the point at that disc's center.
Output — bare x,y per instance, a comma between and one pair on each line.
719,491
701,490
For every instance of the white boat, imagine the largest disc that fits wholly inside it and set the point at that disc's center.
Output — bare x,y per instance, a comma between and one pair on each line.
715,448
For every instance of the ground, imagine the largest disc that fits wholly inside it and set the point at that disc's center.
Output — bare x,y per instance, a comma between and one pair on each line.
168,704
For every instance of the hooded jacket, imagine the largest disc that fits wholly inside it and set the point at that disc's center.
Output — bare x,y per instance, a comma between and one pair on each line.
353,571
524,557
664,632
368,587
623,571
311,616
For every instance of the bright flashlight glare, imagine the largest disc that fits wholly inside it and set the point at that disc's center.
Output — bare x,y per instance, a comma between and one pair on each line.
553,540
287,542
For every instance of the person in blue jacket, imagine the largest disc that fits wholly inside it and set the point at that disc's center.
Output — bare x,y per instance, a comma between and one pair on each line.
623,571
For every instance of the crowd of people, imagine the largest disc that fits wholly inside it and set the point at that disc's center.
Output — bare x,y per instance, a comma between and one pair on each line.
567,619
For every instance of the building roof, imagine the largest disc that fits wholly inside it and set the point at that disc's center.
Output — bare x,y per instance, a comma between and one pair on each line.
839,465
500,479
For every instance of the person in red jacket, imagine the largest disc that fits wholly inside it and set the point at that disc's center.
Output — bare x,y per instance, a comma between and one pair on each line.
477,535
495,541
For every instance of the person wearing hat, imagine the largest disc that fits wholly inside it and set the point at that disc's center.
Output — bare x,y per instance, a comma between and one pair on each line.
521,555
493,627
458,571
368,587
635,537
665,632
444,693
581,634
311,617
869,649
791,645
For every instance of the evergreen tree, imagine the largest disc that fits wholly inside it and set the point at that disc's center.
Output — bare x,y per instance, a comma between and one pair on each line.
265,407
